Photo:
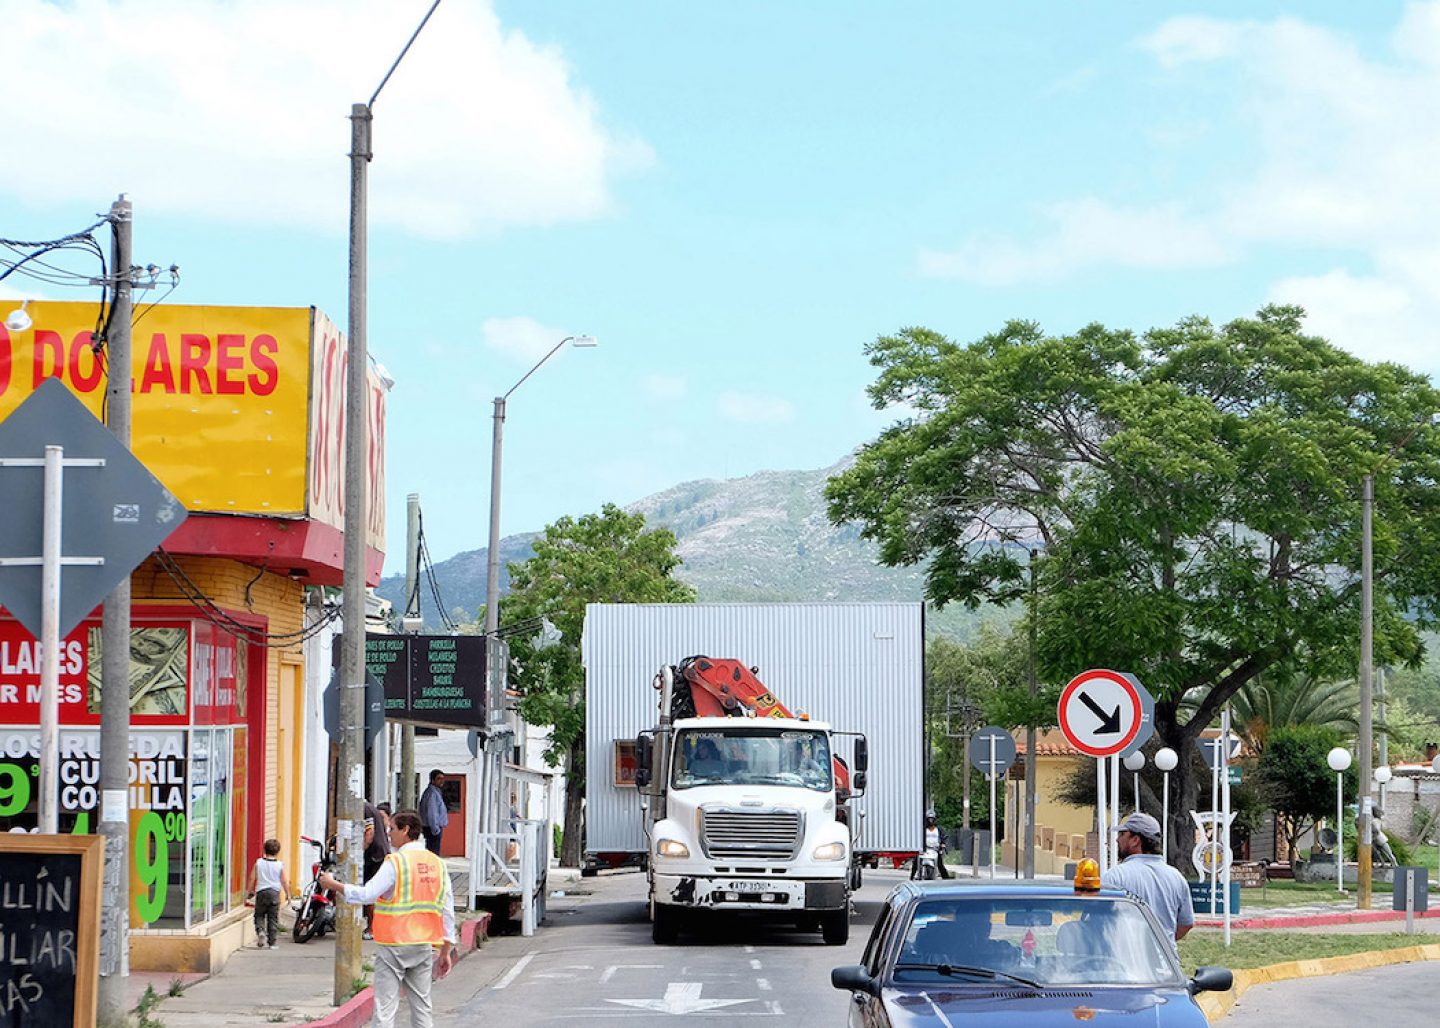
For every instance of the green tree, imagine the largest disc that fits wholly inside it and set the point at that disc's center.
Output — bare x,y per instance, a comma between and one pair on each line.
608,557
1195,492
1293,777
1266,703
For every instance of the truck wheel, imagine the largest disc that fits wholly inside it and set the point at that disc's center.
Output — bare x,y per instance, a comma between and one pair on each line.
835,926
857,878
589,872
666,927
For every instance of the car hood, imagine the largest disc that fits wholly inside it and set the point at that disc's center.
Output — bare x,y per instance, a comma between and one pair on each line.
1002,1006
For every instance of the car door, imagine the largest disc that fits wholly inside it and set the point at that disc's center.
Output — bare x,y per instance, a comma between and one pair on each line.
868,1011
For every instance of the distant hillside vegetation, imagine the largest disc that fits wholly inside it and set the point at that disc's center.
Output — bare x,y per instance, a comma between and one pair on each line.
763,538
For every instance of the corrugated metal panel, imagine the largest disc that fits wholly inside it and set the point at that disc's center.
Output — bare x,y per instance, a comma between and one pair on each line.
857,666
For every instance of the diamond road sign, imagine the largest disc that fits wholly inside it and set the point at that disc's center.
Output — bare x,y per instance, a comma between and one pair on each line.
118,512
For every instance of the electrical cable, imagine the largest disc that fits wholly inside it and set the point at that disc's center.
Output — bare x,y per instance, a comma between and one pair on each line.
216,615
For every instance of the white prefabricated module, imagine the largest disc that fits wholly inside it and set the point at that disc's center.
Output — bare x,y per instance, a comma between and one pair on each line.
858,667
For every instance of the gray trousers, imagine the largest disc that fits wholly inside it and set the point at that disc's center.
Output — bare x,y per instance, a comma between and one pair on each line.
407,969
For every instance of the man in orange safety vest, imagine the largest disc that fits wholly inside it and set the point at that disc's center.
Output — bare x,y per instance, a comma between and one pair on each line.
414,917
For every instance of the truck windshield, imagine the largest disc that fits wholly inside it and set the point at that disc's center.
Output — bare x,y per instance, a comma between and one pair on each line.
753,756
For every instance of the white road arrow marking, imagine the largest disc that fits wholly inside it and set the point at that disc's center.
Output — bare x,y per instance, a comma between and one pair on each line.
680,998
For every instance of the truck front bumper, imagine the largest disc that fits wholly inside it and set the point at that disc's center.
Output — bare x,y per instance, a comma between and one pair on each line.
731,893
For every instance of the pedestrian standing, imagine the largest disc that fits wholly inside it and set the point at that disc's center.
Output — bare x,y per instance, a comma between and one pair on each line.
1144,874
376,849
414,918
433,814
268,884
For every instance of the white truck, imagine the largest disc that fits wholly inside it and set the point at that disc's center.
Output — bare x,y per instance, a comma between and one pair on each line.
730,800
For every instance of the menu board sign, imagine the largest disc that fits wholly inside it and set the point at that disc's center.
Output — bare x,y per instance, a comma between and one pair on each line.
430,679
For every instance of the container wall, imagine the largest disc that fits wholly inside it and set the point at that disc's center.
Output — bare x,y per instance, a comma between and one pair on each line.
858,667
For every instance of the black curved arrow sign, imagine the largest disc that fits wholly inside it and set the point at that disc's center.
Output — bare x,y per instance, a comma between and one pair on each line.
1109,723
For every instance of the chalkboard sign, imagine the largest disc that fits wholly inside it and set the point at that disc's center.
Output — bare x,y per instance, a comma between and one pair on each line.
49,929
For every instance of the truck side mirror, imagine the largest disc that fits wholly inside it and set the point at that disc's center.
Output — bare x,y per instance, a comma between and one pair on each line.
859,781
862,757
643,743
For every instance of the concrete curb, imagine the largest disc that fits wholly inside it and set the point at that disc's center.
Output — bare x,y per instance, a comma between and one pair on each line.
358,1010
1217,1005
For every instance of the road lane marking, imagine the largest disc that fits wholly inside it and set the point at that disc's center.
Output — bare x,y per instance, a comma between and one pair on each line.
609,972
680,998
754,965
763,984
514,972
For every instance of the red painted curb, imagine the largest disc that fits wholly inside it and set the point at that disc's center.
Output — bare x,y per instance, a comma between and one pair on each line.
358,1010
1316,920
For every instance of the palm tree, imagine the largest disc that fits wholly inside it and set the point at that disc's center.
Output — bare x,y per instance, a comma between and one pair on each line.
1267,703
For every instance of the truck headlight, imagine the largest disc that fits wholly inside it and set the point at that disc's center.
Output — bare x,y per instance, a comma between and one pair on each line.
830,851
671,848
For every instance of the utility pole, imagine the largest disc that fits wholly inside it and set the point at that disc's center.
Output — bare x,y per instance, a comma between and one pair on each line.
1366,839
409,621
349,803
114,814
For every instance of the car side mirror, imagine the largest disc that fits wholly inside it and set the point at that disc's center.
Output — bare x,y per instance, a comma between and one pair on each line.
853,978
859,781
1211,979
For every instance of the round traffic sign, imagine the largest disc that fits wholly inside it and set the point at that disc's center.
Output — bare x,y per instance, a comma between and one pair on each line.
1101,712
992,740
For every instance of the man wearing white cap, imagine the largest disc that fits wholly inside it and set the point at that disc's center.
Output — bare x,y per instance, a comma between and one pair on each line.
1144,874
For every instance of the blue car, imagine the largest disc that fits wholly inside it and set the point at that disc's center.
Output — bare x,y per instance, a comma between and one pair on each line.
1021,954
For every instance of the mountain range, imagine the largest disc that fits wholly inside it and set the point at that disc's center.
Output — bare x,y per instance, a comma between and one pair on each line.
762,538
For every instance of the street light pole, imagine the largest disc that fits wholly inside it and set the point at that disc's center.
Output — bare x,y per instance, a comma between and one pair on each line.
350,783
1364,865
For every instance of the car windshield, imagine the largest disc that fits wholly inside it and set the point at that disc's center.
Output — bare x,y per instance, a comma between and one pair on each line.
753,756
1089,940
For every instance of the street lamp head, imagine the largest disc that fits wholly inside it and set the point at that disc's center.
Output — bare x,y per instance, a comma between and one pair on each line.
1166,759
583,341
1134,761
1338,759
19,319
1383,774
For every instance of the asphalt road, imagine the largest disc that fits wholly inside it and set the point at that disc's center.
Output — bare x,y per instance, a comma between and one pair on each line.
594,961
1401,994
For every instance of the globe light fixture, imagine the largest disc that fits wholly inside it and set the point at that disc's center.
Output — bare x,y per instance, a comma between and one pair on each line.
19,319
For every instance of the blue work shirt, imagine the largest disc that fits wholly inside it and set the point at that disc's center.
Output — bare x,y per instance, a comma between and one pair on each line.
433,814
1159,886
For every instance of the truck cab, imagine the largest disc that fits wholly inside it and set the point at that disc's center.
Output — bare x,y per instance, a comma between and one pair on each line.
743,813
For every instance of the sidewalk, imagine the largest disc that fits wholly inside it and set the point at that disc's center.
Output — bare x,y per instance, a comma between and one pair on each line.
293,984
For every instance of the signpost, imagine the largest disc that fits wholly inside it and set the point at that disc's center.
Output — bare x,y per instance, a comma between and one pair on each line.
1105,713
119,510
991,752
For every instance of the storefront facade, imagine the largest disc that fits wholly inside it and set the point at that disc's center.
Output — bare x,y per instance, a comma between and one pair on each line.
219,716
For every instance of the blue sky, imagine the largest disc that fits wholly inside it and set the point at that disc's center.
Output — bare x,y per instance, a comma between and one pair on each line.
734,198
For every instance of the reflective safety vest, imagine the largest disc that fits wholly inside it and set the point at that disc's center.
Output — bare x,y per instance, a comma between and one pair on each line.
414,912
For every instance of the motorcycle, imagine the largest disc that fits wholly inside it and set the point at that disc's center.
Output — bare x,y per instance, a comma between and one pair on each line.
315,912
928,869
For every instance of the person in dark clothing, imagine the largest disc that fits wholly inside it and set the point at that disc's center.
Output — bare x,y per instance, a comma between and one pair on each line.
434,815
377,848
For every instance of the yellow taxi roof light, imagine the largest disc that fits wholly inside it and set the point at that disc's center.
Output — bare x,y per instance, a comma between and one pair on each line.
1087,876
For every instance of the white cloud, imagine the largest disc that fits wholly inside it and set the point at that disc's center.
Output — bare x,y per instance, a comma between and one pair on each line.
754,408
665,387
1346,143
1083,234
521,339
239,112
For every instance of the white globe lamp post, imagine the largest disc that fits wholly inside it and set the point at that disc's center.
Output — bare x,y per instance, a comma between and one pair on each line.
1166,760
1339,761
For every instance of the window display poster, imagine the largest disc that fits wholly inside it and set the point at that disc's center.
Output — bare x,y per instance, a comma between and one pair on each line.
218,674
239,775
156,796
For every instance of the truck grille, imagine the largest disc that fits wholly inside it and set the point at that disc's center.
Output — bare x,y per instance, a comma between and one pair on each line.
764,834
